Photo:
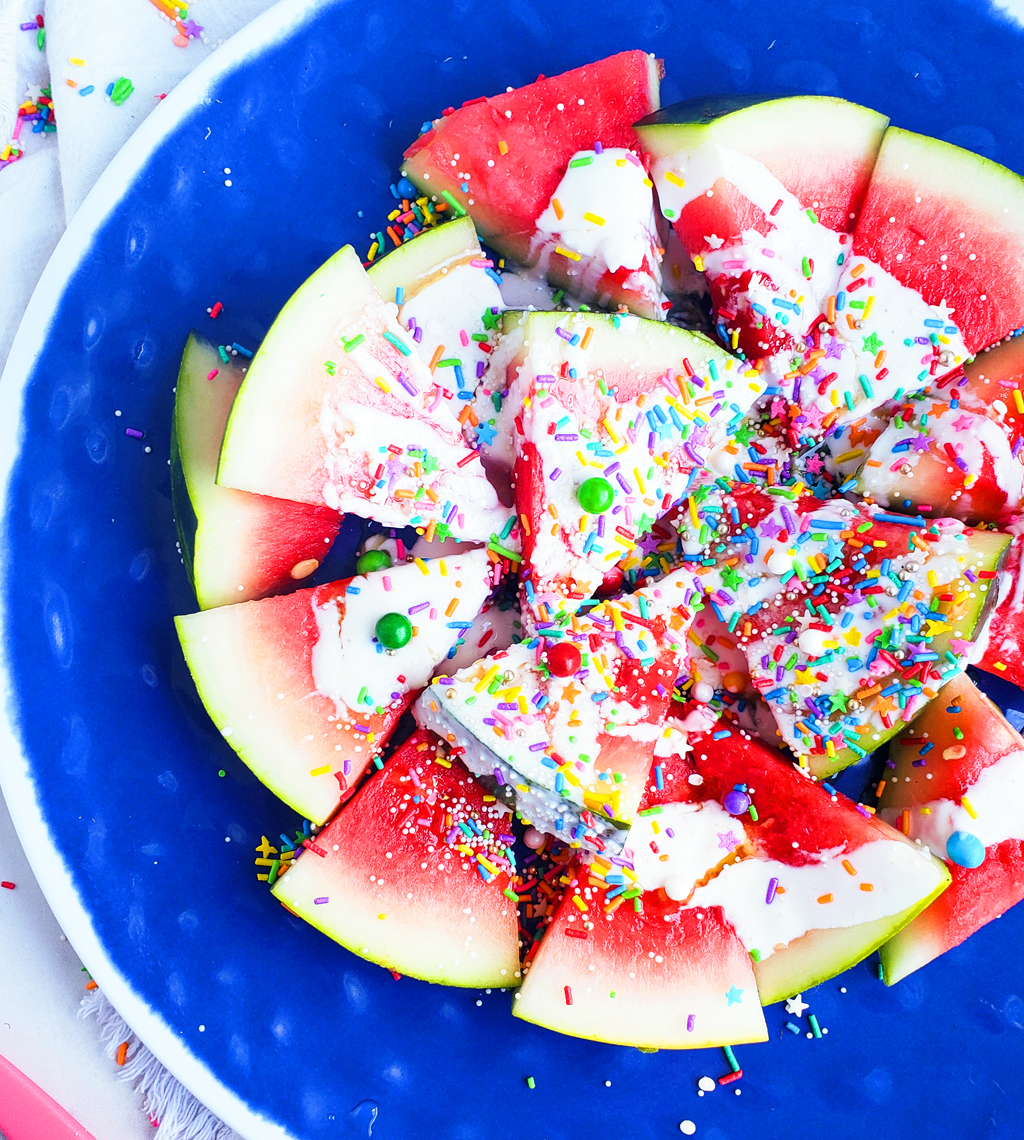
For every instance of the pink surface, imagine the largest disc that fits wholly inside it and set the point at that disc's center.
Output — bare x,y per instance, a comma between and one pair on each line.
27,1113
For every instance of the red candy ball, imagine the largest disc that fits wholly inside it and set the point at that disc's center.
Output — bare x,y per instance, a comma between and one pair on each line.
564,659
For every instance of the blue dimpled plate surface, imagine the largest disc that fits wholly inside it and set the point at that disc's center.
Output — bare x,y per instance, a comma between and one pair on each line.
311,120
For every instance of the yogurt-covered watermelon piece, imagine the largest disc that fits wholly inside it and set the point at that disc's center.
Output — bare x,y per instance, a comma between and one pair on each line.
958,789
811,882
564,725
763,193
447,296
619,417
647,974
413,873
948,225
1000,644
235,546
851,619
502,159
337,409
993,385
937,456
305,687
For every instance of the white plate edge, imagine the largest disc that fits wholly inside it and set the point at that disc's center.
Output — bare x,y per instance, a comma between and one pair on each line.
46,862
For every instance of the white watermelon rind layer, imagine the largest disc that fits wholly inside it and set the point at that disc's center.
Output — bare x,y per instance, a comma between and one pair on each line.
414,262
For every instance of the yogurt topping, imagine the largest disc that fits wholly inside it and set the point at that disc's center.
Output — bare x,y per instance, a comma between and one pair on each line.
997,800
354,670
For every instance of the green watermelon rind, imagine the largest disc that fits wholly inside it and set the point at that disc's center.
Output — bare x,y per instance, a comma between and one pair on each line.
841,948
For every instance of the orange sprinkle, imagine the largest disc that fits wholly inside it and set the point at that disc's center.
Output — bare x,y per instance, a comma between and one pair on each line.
452,607
824,898
438,353
90,985
122,1052
502,146
586,337
557,207
849,867
866,887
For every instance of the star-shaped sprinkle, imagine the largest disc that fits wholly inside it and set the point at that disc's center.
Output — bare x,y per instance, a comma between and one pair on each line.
744,433
442,531
943,310
963,423
920,442
644,524
730,578
429,464
837,702
734,996
833,348
796,1005
872,344
726,840
814,463
570,692
485,433
770,528
192,29
714,241
490,318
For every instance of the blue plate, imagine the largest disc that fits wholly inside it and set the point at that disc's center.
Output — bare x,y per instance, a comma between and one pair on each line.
145,851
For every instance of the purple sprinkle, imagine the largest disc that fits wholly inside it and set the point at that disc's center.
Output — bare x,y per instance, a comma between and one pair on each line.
347,767
419,608
690,1022
772,885
539,747
417,336
34,27
598,148
670,833
135,433
563,334
410,388
480,369
600,526
624,485
499,777
566,437
321,900
612,468
554,474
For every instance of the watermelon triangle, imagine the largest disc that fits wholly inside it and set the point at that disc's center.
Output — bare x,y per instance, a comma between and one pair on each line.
500,159
650,975
571,751
403,875
338,409
297,684
958,768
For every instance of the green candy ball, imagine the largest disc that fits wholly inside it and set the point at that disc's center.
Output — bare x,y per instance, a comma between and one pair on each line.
595,495
393,631
373,560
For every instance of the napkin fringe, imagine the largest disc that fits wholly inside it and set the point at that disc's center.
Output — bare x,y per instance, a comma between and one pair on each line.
175,1112
8,71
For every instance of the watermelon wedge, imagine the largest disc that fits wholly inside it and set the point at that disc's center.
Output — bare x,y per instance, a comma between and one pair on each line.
235,546
1000,645
619,417
810,884
540,722
937,456
447,298
845,614
403,875
990,386
502,159
302,689
957,788
338,410
763,193
658,977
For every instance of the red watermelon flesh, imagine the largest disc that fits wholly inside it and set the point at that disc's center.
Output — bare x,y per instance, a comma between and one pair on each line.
943,780
236,546
396,879
949,225
947,461
656,977
530,135
1000,648
295,684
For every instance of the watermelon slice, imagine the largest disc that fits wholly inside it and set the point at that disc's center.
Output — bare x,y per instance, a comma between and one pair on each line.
447,297
619,417
939,457
300,687
993,385
762,193
846,615
658,977
412,873
1000,644
957,788
235,546
540,720
337,409
811,882
501,160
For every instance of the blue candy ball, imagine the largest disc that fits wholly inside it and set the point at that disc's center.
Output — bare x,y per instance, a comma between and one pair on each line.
965,849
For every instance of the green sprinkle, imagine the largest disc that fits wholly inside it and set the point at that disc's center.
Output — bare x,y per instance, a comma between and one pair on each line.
222,772
509,893
812,215
755,956
558,297
448,362
580,162
753,816
355,342
807,273
275,870
362,698
504,552
454,203
41,39
122,89
531,1083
